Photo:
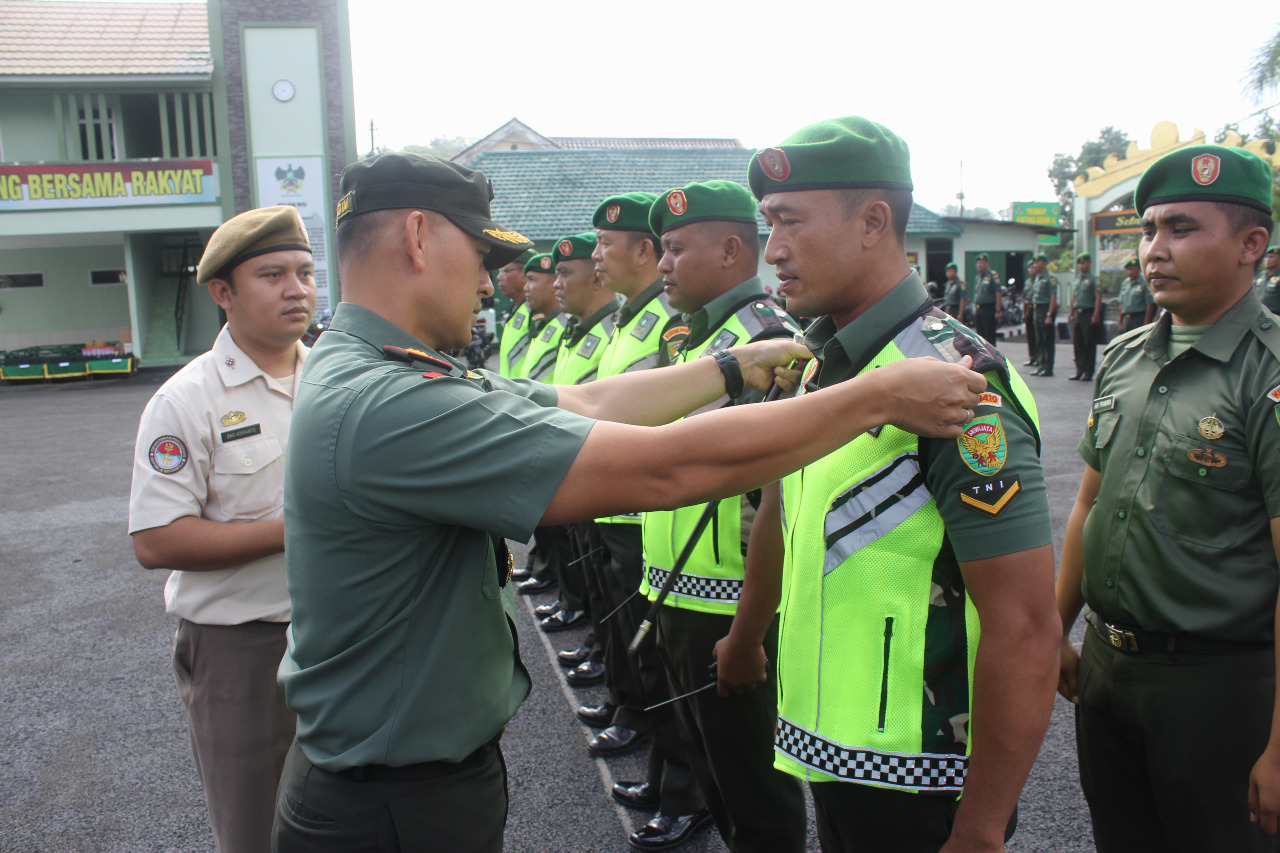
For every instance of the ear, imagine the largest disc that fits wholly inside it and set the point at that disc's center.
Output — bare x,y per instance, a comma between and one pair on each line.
642,252
221,293
415,236
1253,242
732,249
877,222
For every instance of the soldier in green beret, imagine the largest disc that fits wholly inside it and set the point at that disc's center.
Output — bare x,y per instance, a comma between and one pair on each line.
407,473
1267,281
1044,314
1137,308
711,249
1173,539
892,700
514,342
988,311
626,261
954,295
1085,317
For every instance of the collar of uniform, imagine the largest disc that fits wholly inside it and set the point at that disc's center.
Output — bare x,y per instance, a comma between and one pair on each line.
1219,342
709,318
543,320
636,305
843,348
589,322
242,368
375,330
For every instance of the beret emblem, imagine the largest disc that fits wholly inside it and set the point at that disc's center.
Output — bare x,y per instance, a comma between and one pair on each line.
1205,169
677,202
545,262
565,248
611,212
775,164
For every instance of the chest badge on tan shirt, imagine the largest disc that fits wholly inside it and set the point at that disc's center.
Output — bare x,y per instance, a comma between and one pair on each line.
1212,428
233,418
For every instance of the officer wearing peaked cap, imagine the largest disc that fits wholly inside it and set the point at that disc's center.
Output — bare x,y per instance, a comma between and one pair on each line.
1173,539
402,661
205,503
895,546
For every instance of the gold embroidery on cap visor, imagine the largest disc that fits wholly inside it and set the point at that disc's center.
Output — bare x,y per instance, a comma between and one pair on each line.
506,236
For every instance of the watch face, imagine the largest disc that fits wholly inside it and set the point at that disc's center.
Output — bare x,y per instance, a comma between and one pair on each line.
283,90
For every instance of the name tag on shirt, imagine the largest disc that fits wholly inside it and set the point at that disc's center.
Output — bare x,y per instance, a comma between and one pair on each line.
242,432
1104,404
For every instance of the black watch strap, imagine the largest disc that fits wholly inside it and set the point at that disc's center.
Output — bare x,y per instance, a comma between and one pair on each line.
732,371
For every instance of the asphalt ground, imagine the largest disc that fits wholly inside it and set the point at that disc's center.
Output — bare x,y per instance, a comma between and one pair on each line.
94,754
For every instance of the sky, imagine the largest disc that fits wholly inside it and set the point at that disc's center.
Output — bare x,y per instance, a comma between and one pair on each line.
999,86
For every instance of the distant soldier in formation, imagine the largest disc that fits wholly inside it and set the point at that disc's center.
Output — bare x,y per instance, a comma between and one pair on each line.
987,293
1043,300
1085,317
1137,308
1267,281
954,299
515,328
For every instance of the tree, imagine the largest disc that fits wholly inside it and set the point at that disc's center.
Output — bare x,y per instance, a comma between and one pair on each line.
443,147
1065,168
1264,71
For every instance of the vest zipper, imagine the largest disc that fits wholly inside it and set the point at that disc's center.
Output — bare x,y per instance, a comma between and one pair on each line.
884,673
715,535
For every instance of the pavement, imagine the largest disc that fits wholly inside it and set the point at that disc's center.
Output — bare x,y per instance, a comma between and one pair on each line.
94,754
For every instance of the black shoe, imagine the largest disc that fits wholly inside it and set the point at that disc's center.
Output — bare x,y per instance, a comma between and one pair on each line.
1036,372
665,832
585,674
542,611
573,657
597,716
1028,364
1088,377
533,585
635,795
616,740
1075,378
562,620
1047,374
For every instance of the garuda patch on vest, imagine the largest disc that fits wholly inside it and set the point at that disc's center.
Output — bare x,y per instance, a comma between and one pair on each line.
648,320
990,497
983,446
724,340
589,344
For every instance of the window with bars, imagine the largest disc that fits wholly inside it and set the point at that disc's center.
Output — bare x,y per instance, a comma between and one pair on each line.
105,127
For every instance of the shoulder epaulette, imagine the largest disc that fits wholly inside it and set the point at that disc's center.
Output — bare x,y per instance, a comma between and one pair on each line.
414,356
1267,329
954,341
764,318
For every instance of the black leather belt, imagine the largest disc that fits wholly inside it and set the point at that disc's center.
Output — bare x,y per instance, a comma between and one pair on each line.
416,772
1129,640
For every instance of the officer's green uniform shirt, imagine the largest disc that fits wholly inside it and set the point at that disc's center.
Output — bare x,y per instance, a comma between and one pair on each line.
515,341
582,347
1042,288
1135,296
955,292
540,360
1267,286
986,290
1086,292
402,647
1199,560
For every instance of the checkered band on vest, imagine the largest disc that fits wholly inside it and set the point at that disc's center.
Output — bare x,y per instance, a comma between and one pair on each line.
695,586
887,769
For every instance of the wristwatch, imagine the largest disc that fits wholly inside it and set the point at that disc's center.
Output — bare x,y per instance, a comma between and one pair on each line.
732,371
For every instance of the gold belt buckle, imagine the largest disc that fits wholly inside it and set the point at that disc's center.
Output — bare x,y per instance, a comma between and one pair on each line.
1121,639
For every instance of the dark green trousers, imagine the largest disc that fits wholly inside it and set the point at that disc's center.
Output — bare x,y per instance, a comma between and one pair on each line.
1046,337
1166,745
730,741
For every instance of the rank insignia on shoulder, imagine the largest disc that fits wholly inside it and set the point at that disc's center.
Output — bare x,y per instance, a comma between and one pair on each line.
410,356
990,497
724,340
588,346
433,375
1274,394
648,320
990,398
982,445
1104,404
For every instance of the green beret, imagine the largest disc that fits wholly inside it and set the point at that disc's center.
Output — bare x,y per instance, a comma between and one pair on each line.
524,257
626,212
252,233
397,180
1206,173
709,201
1274,250
951,265
1041,257
1083,256
982,256
1132,262
540,263
842,153
575,247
